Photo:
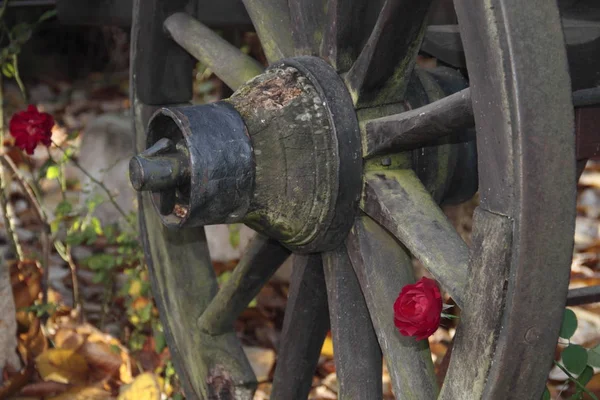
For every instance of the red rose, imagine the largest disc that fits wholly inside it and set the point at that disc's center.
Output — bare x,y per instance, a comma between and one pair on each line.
31,127
418,309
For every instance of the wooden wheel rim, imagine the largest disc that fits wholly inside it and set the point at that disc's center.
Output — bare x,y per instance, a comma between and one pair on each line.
524,155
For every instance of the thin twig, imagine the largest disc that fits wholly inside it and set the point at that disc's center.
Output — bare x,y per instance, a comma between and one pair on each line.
42,218
111,198
18,77
13,239
65,253
572,378
10,231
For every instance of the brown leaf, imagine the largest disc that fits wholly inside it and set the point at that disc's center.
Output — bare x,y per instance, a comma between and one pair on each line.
33,343
68,339
84,393
43,389
63,366
101,356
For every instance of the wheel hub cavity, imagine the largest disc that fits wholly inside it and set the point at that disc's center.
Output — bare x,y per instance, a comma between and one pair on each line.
282,155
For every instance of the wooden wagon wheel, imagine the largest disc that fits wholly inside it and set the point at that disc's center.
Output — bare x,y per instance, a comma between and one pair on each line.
319,156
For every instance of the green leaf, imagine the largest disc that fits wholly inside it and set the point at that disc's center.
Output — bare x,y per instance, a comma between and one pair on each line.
546,394
569,324
73,135
234,235
21,32
575,358
594,357
47,15
159,337
53,172
96,225
145,313
8,70
63,208
582,380
586,376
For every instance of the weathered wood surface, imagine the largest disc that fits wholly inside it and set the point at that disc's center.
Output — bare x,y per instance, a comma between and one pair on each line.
382,70
383,267
182,276
480,324
225,60
421,126
522,103
162,69
261,259
356,350
398,201
344,32
308,24
296,161
583,295
305,326
271,19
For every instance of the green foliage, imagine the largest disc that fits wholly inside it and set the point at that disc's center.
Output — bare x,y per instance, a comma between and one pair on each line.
575,358
41,309
577,362
546,394
569,324
594,357
234,235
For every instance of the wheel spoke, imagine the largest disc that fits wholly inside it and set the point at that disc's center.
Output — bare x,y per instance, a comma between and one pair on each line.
356,350
383,267
308,22
400,203
382,70
344,33
225,60
584,295
305,326
271,19
480,322
419,127
260,261
162,69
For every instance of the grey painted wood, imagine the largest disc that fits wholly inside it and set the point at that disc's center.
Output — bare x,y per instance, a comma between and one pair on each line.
308,24
522,104
382,70
182,277
162,69
398,201
583,295
383,267
271,19
355,348
305,326
345,32
476,340
261,259
421,126
225,60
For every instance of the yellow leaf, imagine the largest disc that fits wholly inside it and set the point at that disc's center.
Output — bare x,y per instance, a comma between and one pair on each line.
135,289
83,393
62,365
327,349
144,387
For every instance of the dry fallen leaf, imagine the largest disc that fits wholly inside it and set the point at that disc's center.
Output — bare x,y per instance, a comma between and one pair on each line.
327,349
144,387
62,365
68,339
84,393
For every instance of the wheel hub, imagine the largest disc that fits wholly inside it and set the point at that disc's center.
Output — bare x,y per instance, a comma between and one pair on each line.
282,155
